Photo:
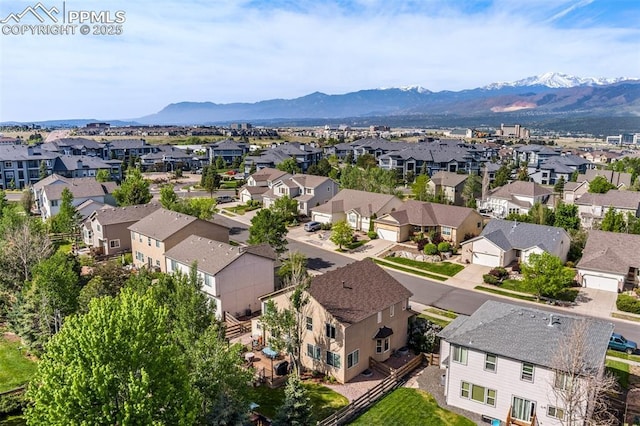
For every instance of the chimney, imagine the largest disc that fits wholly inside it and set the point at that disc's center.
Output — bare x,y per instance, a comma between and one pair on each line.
344,285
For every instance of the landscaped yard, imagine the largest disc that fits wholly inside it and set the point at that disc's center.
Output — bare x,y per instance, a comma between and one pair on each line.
410,270
623,355
15,368
324,401
406,406
568,294
444,268
439,321
619,369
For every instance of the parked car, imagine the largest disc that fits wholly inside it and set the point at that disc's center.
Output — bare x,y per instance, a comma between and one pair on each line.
224,199
619,343
312,226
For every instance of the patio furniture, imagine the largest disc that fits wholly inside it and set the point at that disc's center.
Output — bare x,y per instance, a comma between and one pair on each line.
270,352
249,356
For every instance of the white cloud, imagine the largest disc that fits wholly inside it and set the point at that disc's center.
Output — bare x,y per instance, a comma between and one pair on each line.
227,52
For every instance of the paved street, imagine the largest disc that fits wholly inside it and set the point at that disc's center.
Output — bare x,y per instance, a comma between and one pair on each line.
425,292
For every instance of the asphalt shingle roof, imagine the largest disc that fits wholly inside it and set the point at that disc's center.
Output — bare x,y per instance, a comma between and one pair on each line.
524,334
163,223
508,234
422,213
610,252
629,200
110,216
364,202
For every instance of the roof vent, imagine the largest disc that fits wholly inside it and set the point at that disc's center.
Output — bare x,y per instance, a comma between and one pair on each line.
345,285
553,321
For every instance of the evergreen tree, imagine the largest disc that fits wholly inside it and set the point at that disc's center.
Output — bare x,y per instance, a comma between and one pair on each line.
296,409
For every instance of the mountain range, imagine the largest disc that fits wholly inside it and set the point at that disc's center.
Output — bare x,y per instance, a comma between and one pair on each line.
547,94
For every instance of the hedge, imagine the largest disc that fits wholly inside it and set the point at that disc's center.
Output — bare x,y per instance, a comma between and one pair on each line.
628,303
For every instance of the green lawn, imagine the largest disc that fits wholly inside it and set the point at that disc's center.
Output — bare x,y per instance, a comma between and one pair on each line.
623,355
406,406
441,322
496,290
412,271
568,294
442,312
15,368
445,268
619,369
324,401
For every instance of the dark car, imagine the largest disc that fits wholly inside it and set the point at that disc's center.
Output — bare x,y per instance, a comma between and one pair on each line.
619,343
224,199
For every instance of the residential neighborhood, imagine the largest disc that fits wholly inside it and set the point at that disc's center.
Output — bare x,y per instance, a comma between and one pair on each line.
351,301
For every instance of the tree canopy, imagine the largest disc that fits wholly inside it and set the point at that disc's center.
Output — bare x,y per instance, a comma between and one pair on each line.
268,227
133,190
341,233
600,185
290,165
545,274
373,179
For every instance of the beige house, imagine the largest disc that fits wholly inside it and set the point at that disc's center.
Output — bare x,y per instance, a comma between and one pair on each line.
259,182
592,207
232,277
162,230
449,184
355,313
107,229
453,223
308,190
516,197
358,208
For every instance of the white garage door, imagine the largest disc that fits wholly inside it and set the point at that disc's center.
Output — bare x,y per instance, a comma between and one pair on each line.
485,259
318,217
388,234
600,283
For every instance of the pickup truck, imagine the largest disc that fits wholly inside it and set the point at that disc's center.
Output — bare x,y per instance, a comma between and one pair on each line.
619,343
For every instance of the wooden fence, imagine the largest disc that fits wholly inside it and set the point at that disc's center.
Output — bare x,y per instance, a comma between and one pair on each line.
361,404
234,327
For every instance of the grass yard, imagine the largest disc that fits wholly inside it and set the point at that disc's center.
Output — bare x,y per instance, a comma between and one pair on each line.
444,268
567,295
623,355
406,406
15,368
619,369
496,290
441,312
439,321
412,271
324,401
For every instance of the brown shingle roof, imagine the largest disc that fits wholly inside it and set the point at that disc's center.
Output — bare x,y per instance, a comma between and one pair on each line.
629,200
110,216
79,187
431,214
163,223
610,252
267,174
448,178
528,189
365,202
357,291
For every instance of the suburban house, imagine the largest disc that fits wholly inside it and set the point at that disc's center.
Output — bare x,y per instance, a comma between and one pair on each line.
20,165
609,261
304,154
78,166
308,190
358,208
449,184
107,229
601,157
553,169
48,193
453,223
355,313
621,180
229,150
504,241
232,277
259,182
155,234
516,197
574,190
592,207
502,362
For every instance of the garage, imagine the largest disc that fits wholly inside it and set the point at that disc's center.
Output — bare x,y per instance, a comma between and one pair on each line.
320,217
600,282
388,234
485,259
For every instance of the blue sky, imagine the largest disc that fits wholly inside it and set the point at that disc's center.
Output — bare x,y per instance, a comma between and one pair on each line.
245,51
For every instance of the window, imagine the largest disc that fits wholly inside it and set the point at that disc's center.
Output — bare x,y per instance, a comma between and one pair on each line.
133,235
158,263
174,265
446,230
460,354
490,362
149,241
522,409
309,323
353,358
527,372
382,345
330,331
7,164
114,243
313,351
157,243
379,317
54,203
563,381
555,412
392,310
333,359
98,227
208,280
478,393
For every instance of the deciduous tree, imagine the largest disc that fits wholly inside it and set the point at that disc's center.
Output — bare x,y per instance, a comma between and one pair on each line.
566,216
290,165
268,227
103,175
471,190
285,207
613,221
133,190
420,188
341,233
600,185
545,274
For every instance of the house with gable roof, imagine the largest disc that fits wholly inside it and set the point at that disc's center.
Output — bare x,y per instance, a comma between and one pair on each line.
453,223
354,313
308,190
504,241
516,197
158,232
358,208
609,261
259,182
232,277
449,184
592,206
501,362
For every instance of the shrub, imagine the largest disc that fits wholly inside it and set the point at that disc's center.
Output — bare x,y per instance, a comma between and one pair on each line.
12,404
500,273
628,303
435,237
127,259
444,246
423,335
421,243
516,267
569,264
430,249
490,279
372,235
326,226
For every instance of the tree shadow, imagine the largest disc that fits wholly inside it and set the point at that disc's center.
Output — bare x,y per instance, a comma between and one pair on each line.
318,263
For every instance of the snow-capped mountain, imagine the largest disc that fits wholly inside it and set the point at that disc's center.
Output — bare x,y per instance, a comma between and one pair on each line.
557,80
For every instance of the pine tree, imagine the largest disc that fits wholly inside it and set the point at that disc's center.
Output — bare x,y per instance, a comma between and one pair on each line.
296,409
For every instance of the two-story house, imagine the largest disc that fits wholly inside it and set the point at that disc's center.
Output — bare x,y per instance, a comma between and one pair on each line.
504,362
448,184
229,150
592,206
308,190
232,277
259,182
516,197
158,232
107,229
354,313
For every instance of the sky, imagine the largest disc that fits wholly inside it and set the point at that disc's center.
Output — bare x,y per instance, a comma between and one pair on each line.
246,51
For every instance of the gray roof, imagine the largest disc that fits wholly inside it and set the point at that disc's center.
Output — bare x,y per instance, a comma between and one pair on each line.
212,256
524,334
610,252
79,162
163,223
508,235
127,214
616,178
79,187
629,200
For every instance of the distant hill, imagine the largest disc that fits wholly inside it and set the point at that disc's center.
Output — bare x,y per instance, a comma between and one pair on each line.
551,93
